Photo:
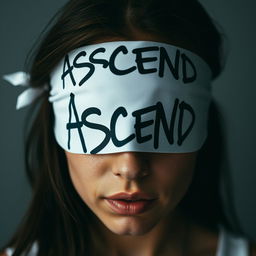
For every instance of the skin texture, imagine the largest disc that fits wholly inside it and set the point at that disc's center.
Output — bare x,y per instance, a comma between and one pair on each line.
164,176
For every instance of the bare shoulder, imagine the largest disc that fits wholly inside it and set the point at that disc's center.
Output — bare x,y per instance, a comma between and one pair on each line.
253,249
203,241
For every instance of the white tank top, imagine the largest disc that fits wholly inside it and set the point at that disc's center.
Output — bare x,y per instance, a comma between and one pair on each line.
228,245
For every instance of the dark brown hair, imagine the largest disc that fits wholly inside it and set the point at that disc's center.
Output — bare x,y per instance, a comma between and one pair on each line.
56,216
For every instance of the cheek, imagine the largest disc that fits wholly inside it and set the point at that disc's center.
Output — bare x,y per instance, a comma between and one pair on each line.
78,180
86,179
173,181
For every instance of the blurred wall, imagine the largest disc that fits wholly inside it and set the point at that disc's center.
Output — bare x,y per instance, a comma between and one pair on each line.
20,25
235,92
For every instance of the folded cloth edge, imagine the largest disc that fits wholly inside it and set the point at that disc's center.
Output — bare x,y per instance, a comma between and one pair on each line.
21,78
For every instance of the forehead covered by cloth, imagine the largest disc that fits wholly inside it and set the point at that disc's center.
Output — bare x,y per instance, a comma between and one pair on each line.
130,96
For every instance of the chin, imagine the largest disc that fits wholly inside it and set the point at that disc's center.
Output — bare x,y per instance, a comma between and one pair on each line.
131,226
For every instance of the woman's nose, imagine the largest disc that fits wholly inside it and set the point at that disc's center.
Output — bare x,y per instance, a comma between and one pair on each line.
131,165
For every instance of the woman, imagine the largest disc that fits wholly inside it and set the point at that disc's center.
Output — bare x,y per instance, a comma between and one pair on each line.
127,202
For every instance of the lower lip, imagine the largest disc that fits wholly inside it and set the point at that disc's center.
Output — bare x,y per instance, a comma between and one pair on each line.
130,208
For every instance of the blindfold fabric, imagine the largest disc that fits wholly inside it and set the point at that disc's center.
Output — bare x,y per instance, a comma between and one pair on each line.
130,96
126,96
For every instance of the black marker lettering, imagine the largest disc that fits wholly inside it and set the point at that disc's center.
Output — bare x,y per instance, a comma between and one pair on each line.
140,60
112,66
103,62
119,143
164,57
139,125
91,111
185,61
83,65
161,117
77,125
182,136
67,72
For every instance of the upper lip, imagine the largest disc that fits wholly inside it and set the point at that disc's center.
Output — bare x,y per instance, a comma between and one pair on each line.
133,196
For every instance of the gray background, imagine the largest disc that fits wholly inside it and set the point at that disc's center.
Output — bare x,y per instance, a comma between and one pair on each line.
21,23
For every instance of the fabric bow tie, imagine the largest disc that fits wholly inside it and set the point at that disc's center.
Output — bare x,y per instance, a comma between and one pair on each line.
29,95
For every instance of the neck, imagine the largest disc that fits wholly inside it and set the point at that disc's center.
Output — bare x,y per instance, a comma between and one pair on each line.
166,238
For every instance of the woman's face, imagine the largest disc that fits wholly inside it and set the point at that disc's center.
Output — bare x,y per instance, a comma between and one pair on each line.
152,183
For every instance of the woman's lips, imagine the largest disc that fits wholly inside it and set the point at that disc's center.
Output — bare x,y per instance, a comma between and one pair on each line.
130,207
130,204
